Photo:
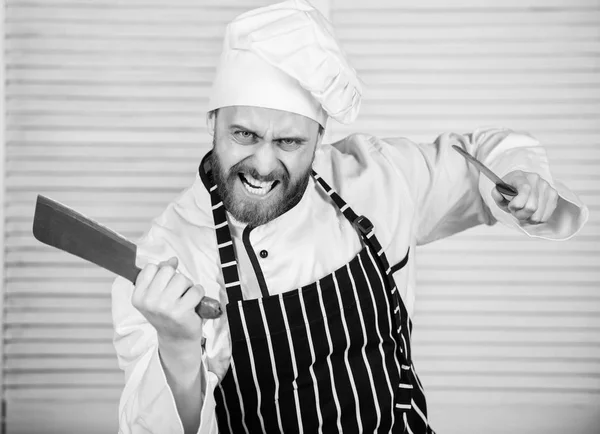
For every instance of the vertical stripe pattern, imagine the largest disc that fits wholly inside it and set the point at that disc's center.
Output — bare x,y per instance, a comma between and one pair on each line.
329,357
400,315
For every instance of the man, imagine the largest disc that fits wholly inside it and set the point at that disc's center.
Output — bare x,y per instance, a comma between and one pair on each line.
309,247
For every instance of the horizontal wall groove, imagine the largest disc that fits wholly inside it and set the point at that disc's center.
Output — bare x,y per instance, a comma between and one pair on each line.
507,344
115,385
133,5
540,390
490,85
181,53
467,39
216,42
158,22
508,327
363,8
55,371
446,372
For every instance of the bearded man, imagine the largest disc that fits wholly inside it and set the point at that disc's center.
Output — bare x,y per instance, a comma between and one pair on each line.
308,246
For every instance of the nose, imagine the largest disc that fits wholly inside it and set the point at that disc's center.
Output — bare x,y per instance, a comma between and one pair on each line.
265,158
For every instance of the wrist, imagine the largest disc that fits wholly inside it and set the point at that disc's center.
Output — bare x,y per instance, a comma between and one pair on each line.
181,361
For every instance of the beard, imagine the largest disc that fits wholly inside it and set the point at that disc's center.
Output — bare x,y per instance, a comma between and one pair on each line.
257,212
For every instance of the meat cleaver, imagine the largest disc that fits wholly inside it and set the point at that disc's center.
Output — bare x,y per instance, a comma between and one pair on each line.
59,226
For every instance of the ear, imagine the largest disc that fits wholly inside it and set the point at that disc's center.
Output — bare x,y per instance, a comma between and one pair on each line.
320,135
210,122
319,139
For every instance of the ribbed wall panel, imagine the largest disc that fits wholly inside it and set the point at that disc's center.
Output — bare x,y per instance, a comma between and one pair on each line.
105,112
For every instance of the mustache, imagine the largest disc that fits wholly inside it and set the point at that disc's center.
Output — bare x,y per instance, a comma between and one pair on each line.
276,175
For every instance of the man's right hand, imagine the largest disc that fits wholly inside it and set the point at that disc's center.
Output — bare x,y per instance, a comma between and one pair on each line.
168,299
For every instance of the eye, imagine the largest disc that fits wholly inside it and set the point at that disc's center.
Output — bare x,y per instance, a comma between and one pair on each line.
245,136
289,144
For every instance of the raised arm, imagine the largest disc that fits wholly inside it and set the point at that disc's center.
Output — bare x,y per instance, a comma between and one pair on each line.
451,196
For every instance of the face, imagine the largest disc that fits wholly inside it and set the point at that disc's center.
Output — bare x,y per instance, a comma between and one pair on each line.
262,160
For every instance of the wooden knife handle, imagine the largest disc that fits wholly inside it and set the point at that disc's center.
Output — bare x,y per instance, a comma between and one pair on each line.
209,308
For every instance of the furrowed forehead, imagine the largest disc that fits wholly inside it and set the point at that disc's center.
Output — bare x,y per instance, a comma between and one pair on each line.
258,119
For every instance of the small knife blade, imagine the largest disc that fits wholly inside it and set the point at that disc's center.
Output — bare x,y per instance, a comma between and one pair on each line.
62,227
504,188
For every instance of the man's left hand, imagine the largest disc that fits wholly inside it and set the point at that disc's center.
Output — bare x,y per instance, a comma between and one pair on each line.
535,202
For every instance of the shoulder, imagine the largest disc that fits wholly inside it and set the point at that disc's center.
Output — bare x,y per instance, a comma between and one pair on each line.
190,210
184,229
368,173
361,151
370,160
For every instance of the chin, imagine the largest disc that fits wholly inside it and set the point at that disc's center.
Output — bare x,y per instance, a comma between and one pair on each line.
254,212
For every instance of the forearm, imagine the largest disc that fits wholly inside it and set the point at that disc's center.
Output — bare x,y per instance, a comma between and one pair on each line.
450,195
182,367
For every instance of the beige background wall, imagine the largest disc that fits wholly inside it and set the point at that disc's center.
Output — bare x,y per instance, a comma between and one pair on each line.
105,103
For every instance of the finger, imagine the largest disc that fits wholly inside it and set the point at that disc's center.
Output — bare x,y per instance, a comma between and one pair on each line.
142,282
159,283
552,204
173,262
176,288
499,199
527,211
537,217
191,298
543,197
521,199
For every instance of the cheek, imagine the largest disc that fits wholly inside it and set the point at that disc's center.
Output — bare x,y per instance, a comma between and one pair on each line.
228,154
299,165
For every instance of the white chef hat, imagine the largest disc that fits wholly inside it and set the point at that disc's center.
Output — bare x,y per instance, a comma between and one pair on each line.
286,57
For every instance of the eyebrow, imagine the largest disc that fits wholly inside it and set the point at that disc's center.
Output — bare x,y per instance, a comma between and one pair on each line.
292,136
241,127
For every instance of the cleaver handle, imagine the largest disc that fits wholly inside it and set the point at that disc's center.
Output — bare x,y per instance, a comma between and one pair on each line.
208,308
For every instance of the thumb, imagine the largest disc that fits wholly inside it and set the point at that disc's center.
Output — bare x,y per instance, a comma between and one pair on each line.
500,200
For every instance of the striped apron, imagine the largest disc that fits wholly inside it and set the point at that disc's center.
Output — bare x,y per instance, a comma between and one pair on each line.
332,356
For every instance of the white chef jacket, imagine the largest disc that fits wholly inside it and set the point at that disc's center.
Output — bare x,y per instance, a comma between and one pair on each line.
413,194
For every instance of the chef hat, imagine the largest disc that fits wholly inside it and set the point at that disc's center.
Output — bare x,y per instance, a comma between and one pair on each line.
286,57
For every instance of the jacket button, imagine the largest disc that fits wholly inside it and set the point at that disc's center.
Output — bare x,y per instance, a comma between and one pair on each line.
264,254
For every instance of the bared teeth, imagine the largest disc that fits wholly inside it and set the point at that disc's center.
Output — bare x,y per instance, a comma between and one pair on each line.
258,184
254,186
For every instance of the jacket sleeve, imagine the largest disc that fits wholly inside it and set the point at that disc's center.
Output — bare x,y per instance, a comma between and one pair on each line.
147,404
450,195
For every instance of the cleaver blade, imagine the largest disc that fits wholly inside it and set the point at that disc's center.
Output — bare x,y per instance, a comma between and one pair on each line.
62,227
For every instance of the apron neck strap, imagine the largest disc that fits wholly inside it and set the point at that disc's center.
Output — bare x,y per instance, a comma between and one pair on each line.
362,224
227,256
